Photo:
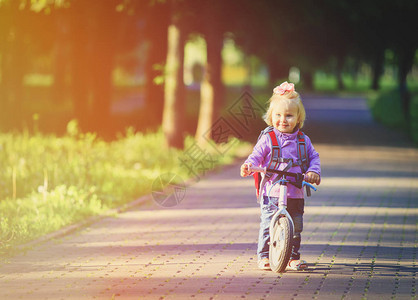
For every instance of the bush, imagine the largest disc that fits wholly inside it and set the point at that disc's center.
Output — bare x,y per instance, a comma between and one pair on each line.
386,108
414,118
49,182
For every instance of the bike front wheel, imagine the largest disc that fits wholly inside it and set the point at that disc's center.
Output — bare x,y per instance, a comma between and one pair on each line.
281,239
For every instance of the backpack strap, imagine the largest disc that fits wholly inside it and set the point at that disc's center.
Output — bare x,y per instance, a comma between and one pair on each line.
276,151
275,158
303,158
302,152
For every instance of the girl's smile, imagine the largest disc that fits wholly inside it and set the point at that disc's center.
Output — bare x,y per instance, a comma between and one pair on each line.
285,116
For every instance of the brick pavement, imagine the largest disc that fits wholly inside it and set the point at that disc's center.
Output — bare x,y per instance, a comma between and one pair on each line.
359,236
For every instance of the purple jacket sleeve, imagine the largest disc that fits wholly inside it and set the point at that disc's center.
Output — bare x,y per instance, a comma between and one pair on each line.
313,156
261,152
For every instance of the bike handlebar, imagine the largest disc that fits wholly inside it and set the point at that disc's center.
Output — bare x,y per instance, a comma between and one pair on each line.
298,176
310,185
265,170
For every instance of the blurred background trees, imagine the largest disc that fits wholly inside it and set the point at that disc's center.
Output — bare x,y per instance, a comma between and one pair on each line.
117,63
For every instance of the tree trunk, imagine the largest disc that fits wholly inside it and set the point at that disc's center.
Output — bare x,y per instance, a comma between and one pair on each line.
60,66
102,60
14,71
103,91
94,30
307,79
14,62
378,65
80,64
174,102
80,86
339,73
214,56
212,90
406,60
156,34
277,70
206,111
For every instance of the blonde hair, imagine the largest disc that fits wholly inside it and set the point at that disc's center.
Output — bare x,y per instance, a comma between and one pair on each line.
291,97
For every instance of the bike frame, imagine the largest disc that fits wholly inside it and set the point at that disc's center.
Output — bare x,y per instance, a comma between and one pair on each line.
282,204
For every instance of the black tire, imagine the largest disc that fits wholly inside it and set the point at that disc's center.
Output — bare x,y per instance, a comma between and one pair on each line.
280,244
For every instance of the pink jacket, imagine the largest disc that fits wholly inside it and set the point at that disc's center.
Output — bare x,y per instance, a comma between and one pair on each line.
261,157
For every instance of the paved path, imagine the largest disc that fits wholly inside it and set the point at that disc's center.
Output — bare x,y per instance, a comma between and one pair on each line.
359,236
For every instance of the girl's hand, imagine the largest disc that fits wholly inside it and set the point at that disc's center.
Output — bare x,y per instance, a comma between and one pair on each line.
312,177
244,169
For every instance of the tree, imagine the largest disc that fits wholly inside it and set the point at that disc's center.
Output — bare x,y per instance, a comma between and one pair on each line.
388,25
369,26
404,45
24,37
261,31
156,27
61,49
13,31
174,101
401,41
94,35
212,89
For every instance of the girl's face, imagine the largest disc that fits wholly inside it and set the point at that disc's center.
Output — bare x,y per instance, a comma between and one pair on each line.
285,116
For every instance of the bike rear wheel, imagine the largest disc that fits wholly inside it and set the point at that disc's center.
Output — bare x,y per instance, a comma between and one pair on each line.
281,239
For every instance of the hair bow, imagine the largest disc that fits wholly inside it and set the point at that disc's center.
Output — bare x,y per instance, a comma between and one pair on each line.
283,88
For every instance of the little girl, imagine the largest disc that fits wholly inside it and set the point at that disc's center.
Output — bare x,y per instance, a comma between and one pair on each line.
286,114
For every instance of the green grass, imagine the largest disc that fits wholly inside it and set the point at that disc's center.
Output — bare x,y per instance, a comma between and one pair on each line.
48,182
324,82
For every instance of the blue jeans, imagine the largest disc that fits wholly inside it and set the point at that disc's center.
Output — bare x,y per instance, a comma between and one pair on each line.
295,207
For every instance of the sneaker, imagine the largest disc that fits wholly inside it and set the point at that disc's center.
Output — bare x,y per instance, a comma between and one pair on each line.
297,265
263,264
